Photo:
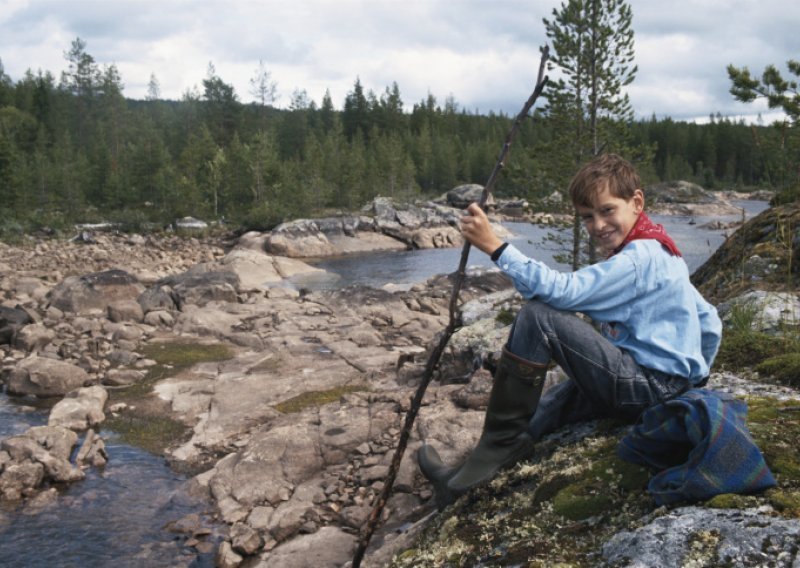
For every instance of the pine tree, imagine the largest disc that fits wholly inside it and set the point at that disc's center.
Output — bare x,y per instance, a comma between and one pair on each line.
592,44
783,94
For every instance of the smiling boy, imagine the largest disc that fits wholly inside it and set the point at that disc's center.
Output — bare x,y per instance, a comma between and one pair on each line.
658,336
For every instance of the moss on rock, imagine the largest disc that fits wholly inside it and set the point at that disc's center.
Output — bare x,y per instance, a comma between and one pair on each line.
150,432
316,398
768,235
560,507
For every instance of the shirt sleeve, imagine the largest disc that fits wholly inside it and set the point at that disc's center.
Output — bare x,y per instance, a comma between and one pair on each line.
710,329
603,290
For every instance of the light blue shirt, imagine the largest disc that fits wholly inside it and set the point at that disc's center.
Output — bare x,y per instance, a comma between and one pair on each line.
643,298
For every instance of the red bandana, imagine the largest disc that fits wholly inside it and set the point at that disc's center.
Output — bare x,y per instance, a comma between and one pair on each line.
644,228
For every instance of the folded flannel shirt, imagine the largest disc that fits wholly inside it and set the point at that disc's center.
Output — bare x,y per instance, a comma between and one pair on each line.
700,444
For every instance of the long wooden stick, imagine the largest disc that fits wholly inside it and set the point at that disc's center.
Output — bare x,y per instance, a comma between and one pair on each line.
436,354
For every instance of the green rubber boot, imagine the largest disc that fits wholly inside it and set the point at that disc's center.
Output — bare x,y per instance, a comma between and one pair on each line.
515,395
432,467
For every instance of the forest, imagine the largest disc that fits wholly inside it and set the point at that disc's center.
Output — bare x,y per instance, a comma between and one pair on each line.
75,149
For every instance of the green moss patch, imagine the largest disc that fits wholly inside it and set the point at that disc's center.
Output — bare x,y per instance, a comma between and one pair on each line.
315,398
505,317
151,433
171,358
775,426
174,356
150,425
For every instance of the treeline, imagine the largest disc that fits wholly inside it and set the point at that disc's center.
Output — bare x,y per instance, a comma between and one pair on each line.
77,150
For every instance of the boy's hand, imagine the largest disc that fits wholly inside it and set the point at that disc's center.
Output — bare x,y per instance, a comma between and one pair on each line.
475,227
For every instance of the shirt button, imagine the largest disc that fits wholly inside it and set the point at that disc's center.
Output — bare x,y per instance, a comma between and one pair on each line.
505,266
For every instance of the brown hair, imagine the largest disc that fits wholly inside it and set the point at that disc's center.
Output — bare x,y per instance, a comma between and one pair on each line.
606,170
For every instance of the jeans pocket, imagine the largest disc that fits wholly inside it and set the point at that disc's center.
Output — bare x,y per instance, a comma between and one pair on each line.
634,393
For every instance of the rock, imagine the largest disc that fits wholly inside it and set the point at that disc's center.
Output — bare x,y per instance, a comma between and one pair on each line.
190,223
56,468
226,557
289,517
329,547
125,310
159,318
81,294
678,192
156,298
58,441
740,537
80,409
267,470
19,479
123,377
33,337
92,450
199,286
769,312
461,196
252,240
257,270
43,377
326,237
244,539
11,321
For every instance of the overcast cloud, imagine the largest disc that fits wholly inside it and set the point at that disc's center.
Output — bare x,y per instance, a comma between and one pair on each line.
484,53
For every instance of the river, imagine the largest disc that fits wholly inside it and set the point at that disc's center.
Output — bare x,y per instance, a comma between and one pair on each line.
117,515
403,269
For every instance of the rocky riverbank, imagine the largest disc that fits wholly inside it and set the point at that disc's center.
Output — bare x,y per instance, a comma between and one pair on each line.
284,406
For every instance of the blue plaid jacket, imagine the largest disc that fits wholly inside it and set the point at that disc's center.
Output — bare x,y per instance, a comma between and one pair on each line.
700,444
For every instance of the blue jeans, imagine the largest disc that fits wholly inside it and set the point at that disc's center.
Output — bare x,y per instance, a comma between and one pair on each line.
604,380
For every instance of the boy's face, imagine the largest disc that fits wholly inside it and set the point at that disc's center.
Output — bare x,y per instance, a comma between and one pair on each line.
610,218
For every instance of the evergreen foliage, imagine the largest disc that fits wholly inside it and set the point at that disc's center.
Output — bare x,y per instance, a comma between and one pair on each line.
588,110
784,165
76,150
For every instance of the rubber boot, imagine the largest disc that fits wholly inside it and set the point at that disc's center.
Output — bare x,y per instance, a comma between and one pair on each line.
505,440
432,467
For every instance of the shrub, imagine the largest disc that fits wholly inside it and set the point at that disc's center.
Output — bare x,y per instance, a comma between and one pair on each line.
785,368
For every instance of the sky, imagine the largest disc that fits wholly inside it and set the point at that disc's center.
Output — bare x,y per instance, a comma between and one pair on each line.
483,53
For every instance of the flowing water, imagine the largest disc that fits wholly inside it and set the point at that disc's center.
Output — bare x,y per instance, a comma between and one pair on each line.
118,514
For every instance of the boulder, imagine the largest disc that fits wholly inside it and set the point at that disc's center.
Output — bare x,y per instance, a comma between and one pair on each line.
462,195
686,198
202,284
125,310
739,537
122,377
768,311
33,337
11,321
43,377
80,409
20,479
81,294
329,547
156,298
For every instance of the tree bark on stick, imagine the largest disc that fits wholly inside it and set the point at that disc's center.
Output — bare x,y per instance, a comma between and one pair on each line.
454,321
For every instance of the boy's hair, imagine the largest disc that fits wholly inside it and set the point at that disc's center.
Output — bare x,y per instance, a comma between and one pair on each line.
606,170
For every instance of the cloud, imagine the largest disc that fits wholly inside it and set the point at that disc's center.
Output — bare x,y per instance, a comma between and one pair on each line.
484,53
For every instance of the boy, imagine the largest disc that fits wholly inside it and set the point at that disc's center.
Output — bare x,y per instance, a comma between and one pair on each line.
658,335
